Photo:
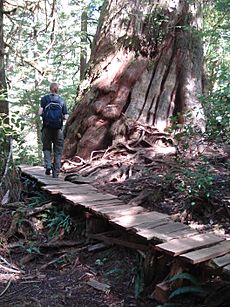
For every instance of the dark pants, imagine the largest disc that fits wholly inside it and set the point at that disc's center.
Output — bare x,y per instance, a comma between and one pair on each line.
53,141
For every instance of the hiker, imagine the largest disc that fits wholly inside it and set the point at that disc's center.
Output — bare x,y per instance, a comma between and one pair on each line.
53,111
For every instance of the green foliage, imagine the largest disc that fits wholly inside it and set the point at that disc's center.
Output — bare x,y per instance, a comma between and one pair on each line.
31,249
11,127
43,44
187,290
185,276
182,133
114,271
101,262
217,58
197,183
139,277
194,287
218,113
10,135
58,220
37,199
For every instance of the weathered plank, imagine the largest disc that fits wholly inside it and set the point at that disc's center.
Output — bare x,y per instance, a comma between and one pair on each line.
69,185
74,191
130,221
48,180
208,253
177,247
152,224
97,204
164,232
118,211
70,191
221,261
226,269
84,197
32,169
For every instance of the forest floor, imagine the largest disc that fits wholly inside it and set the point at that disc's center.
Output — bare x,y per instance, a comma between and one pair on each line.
46,258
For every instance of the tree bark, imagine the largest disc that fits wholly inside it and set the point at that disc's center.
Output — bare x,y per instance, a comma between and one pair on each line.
83,51
146,65
4,107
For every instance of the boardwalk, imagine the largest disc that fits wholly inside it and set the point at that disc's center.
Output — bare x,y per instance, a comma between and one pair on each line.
173,238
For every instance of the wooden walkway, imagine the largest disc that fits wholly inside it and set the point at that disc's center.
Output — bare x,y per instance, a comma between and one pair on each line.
173,238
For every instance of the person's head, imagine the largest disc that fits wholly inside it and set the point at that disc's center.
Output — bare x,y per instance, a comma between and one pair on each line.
54,88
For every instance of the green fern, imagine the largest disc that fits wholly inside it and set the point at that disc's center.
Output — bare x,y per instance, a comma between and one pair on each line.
186,290
186,276
139,277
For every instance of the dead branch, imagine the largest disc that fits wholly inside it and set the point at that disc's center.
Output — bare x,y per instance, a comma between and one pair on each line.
57,244
98,285
8,264
39,209
6,288
112,241
13,205
44,266
6,269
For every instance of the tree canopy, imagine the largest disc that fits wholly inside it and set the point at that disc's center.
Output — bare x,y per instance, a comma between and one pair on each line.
46,41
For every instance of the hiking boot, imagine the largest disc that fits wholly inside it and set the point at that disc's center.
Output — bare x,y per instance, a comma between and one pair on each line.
55,174
48,171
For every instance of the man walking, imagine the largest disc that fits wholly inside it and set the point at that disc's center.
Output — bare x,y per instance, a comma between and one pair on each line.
53,111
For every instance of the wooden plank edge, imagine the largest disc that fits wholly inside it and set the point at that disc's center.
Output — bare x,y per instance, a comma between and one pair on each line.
161,246
207,253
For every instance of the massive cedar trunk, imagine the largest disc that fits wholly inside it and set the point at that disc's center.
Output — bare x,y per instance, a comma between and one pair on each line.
146,65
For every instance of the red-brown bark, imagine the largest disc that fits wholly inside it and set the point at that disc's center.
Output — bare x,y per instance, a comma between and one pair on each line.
134,73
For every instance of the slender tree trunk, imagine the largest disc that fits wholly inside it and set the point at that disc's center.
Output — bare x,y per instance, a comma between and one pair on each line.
36,85
4,106
146,65
83,51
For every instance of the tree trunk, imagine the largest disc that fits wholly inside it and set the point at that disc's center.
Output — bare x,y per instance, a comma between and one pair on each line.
83,51
4,107
146,65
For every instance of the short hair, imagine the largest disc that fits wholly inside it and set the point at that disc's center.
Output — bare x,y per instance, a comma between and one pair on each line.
54,87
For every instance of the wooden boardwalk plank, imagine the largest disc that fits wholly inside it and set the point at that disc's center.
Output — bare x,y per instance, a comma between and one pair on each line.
179,239
97,204
222,261
68,188
180,246
70,191
66,184
74,191
165,232
130,221
226,269
110,208
69,185
89,198
151,225
208,253
48,181
117,212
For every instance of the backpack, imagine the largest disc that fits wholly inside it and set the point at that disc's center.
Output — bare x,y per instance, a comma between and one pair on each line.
52,113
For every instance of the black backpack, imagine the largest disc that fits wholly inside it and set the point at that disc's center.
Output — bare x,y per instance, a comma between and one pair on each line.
52,114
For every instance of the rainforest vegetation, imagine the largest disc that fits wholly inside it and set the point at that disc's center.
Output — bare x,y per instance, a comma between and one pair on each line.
147,88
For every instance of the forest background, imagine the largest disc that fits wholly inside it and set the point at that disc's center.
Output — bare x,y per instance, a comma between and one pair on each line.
42,41
51,40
